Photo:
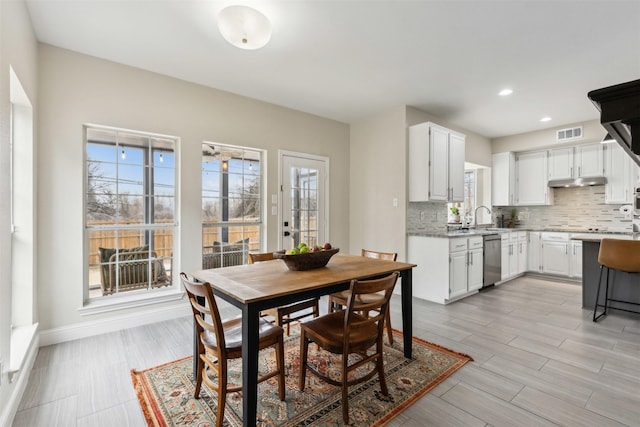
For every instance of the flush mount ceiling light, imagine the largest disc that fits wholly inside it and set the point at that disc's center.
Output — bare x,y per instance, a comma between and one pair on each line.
244,27
505,92
545,119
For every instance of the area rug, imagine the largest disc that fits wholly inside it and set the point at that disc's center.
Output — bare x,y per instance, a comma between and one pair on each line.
166,392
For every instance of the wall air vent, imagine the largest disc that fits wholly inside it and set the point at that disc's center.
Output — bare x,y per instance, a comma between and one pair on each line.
569,134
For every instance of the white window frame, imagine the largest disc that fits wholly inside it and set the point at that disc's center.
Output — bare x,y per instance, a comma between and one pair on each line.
126,299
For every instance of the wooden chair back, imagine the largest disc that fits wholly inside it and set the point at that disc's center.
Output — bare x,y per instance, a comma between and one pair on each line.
388,256
372,297
207,316
259,257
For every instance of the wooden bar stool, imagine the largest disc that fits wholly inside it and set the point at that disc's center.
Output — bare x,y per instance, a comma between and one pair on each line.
617,255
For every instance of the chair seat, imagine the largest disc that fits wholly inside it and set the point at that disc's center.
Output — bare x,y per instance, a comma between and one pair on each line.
328,332
268,333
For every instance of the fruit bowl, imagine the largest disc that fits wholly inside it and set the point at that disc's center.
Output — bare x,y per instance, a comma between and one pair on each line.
306,261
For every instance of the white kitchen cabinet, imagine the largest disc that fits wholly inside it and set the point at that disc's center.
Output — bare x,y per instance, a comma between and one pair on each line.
522,252
458,274
555,253
622,175
503,179
561,163
475,270
509,255
532,179
447,269
575,258
589,160
534,248
436,164
580,161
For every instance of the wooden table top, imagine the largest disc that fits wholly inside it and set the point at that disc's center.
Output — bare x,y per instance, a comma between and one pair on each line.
250,283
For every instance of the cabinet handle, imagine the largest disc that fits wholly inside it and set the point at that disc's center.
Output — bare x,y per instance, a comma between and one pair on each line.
566,250
571,171
470,258
579,171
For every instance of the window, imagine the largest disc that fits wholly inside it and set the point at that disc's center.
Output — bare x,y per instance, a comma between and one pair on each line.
129,210
232,215
469,194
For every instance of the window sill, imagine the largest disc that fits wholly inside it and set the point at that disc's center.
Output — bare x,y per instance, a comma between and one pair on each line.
122,302
21,338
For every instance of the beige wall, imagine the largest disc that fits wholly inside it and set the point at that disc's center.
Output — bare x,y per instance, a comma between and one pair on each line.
378,174
592,131
18,49
78,89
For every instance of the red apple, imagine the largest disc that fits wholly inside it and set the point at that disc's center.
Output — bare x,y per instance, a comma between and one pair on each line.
327,246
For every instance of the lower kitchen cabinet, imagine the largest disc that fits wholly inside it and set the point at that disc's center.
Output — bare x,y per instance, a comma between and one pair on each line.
514,254
575,259
534,249
447,268
555,253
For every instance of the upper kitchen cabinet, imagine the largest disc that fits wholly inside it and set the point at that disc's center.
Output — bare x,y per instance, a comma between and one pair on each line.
531,179
436,164
503,179
622,175
580,161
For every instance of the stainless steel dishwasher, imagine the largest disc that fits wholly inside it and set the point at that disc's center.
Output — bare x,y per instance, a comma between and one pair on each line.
492,271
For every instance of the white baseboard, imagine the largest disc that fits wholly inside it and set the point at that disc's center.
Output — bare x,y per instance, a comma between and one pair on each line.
115,323
8,411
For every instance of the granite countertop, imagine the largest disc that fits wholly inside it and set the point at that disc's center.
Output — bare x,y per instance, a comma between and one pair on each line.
594,235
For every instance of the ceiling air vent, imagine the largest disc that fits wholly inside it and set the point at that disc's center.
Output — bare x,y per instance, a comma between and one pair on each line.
568,134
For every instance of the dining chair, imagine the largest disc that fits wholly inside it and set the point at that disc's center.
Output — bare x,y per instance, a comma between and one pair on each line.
221,341
348,332
339,299
287,314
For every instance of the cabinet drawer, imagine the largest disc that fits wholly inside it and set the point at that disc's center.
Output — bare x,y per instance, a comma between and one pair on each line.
475,243
522,236
513,236
556,237
457,245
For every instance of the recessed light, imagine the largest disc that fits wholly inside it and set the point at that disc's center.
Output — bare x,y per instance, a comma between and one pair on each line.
545,119
505,92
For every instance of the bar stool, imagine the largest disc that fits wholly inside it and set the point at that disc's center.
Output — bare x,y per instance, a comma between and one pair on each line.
620,255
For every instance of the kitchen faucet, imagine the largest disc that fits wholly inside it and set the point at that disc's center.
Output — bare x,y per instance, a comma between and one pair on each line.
475,215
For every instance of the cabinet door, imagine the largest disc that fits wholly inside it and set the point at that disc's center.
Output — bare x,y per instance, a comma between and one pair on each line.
457,274
505,272
617,190
531,178
522,256
534,251
589,160
456,167
555,258
561,163
575,264
513,258
503,175
439,164
476,266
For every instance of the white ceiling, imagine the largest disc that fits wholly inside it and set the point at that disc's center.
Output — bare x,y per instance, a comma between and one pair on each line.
347,60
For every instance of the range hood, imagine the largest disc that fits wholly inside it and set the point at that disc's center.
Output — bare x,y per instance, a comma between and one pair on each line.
619,107
577,182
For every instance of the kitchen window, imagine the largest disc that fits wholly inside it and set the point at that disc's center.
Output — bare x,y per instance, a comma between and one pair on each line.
130,211
232,216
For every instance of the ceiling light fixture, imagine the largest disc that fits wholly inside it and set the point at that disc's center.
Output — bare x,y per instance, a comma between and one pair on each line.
244,27
545,119
505,92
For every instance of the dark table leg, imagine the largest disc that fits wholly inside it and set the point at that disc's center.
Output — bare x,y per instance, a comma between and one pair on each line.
250,337
407,311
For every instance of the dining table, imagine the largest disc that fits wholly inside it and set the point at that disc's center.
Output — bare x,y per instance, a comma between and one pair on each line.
260,286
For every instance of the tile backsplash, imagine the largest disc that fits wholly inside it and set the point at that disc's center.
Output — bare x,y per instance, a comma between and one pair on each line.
573,208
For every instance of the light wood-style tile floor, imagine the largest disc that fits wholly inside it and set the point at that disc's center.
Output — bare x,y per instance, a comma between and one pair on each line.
539,360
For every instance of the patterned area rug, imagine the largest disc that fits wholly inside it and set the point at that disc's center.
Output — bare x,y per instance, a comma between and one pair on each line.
166,392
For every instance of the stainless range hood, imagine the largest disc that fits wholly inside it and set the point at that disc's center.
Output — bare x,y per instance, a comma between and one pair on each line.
619,107
577,182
